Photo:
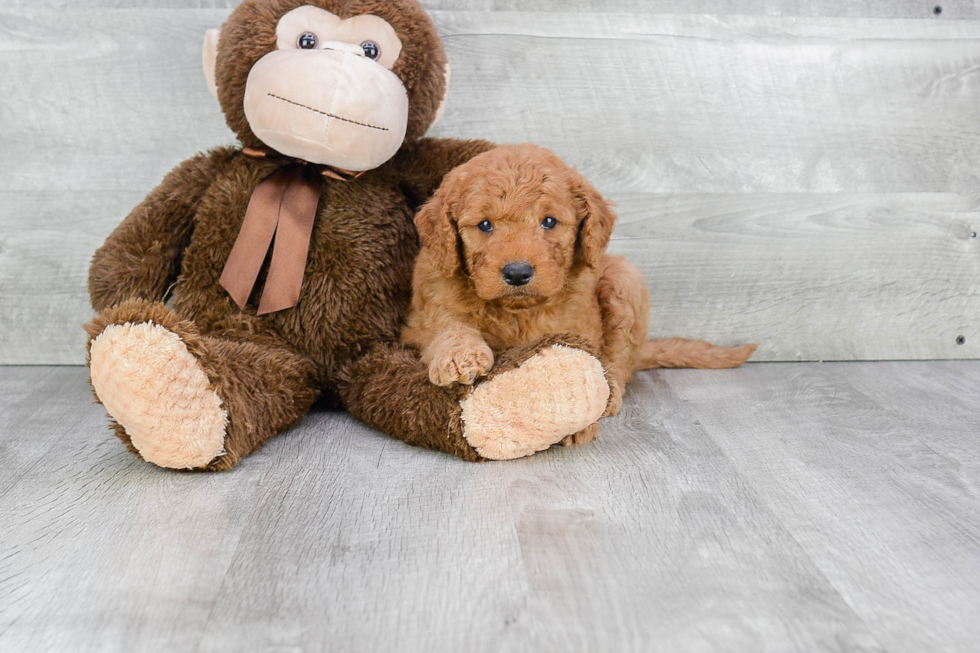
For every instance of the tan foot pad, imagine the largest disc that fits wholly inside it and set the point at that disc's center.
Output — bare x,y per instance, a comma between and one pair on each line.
556,393
155,389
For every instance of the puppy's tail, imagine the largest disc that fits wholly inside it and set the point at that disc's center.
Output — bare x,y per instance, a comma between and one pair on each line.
697,354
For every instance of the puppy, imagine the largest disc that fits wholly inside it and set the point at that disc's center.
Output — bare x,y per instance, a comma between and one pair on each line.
513,250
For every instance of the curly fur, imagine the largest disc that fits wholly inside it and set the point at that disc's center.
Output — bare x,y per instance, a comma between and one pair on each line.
464,312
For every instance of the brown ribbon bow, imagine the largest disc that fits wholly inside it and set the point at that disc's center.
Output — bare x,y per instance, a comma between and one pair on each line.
283,207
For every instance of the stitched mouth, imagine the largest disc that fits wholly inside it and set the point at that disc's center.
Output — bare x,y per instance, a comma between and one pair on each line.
328,115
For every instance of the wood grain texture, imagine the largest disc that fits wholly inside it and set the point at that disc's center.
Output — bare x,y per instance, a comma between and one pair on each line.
741,104
47,398
880,455
781,507
951,9
845,136
811,276
161,541
538,556
45,250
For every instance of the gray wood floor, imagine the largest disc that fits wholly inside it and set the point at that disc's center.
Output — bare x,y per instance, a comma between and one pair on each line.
780,507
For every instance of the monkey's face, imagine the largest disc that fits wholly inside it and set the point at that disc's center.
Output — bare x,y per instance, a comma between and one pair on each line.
327,93
332,89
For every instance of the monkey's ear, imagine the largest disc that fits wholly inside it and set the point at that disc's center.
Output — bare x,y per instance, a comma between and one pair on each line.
439,235
211,59
596,221
445,96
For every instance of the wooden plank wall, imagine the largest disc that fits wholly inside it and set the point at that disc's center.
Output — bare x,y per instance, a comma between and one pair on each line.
799,173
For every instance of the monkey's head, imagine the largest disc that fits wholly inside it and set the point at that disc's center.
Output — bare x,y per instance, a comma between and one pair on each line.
342,83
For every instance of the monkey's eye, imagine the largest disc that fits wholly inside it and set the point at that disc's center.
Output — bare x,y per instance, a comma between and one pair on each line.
549,223
486,227
308,41
371,50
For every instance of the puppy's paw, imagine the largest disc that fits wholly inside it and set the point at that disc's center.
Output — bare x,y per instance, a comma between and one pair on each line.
585,436
461,365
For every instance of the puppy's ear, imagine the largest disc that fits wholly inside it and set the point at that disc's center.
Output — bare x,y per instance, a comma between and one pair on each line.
596,221
438,233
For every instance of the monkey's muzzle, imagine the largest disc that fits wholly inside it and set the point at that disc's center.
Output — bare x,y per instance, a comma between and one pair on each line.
328,107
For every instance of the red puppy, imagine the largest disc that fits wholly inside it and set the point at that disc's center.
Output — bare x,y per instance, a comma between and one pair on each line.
513,249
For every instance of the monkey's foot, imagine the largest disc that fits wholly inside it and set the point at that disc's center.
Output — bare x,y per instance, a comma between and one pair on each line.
155,389
557,392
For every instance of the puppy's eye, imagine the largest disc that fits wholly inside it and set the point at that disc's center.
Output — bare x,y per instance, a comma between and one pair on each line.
549,223
486,227
308,41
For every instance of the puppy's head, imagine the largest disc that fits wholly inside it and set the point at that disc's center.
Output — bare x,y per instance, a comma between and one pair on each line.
517,221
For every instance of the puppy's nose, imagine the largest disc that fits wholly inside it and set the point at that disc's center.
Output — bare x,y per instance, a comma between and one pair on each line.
518,274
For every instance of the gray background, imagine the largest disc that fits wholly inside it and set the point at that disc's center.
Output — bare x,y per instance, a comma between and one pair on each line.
801,174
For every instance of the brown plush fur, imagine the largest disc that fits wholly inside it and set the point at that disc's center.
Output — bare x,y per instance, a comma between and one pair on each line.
268,370
394,371
463,311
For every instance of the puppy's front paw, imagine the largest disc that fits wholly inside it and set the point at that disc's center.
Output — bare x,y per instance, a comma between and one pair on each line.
461,365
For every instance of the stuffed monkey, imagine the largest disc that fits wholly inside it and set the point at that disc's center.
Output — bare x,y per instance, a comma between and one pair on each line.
287,263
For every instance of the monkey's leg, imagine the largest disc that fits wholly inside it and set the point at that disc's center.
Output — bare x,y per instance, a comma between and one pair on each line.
533,398
183,400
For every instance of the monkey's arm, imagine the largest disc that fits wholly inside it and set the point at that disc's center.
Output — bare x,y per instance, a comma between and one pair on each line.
141,258
422,165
